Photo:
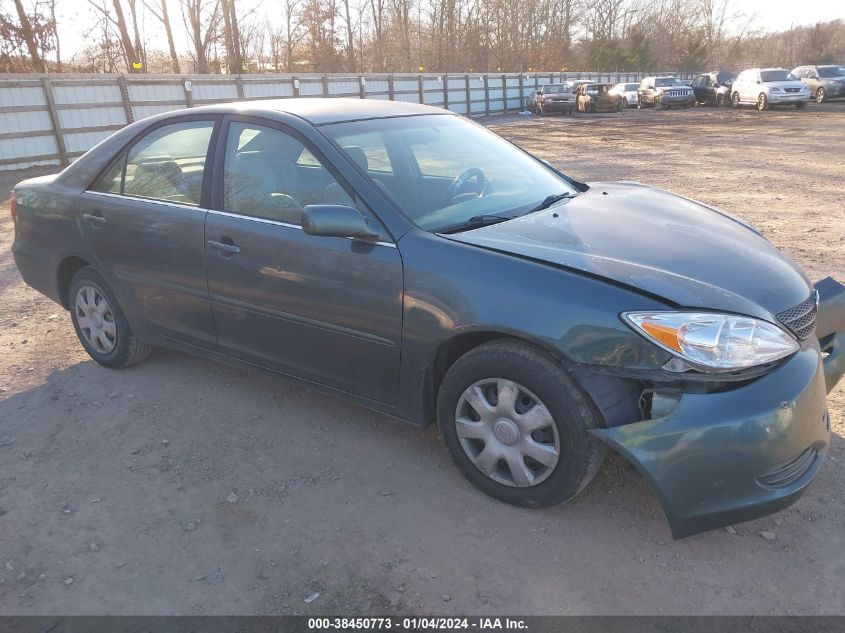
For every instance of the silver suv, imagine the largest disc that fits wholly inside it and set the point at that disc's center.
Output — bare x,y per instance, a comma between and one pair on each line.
766,87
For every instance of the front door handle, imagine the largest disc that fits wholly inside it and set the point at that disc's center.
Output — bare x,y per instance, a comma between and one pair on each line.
94,220
224,247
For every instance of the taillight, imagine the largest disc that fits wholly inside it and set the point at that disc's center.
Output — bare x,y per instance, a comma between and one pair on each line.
13,207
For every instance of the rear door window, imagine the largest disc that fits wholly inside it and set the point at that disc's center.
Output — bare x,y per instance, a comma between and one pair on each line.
168,164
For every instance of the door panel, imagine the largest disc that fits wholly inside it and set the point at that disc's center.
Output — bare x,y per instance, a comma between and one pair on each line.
144,222
327,309
321,308
154,255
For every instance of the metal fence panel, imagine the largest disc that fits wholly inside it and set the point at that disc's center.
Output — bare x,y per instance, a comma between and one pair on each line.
50,119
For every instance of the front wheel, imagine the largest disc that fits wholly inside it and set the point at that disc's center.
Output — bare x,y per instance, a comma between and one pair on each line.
821,95
801,105
735,100
100,323
624,103
720,101
762,102
517,425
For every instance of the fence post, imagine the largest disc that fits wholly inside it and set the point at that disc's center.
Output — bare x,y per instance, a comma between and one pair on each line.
420,86
445,80
47,87
294,82
466,90
325,85
486,79
362,90
239,86
189,96
521,95
124,97
391,91
505,93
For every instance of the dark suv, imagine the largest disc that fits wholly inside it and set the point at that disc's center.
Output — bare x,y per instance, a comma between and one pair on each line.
664,92
825,82
553,98
713,88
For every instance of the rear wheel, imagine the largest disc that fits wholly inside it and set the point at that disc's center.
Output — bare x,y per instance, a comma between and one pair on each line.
100,323
821,95
517,425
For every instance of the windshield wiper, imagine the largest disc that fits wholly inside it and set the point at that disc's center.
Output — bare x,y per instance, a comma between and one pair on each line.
550,200
475,222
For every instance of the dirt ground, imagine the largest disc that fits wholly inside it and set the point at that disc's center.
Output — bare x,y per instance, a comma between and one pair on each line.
182,486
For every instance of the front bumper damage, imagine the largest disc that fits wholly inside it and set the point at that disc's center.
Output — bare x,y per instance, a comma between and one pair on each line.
730,456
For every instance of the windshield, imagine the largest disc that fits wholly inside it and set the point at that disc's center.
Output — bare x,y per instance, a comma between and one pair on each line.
830,71
662,82
442,170
631,87
776,75
553,89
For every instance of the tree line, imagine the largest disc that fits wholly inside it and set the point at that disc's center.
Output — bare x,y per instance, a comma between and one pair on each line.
408,36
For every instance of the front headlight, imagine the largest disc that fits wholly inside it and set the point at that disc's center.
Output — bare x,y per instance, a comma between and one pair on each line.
774,89
714,342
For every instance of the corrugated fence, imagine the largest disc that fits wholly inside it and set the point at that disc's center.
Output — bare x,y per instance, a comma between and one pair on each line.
52,119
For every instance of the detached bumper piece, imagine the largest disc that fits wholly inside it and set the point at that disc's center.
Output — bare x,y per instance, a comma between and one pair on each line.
723,458
726,457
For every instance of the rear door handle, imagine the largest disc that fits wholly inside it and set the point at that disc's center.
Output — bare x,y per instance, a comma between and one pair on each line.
223,247
94,220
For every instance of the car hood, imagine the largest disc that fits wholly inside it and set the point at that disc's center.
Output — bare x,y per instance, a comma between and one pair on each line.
783,84
665,245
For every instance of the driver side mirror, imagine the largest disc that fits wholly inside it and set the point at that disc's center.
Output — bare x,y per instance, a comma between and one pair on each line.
337,220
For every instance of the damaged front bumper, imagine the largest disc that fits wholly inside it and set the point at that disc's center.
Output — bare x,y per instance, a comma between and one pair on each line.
729,456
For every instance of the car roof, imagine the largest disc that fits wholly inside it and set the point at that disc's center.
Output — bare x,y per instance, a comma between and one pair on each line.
321,111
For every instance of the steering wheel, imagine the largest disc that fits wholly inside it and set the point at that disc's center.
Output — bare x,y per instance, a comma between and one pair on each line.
455,189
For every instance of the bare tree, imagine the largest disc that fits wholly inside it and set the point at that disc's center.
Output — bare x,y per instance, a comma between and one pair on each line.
164,18
30,38
202,20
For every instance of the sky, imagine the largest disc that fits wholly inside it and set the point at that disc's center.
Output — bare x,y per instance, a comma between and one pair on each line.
76,17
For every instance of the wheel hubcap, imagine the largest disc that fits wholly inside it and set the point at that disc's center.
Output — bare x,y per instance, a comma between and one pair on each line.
507,432
95,318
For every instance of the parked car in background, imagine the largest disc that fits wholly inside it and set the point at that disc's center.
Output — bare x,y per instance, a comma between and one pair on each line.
824,82
664,92
597,98
402,257
713,88
553,99
766,87
628,92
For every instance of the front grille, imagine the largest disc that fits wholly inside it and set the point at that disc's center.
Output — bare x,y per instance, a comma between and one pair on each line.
784,474
800,319
678,93
793,89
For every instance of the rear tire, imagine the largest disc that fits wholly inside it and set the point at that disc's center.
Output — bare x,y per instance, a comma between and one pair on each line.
100,324
510,401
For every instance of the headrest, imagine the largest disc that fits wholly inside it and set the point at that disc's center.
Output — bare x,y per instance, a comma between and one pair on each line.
358,156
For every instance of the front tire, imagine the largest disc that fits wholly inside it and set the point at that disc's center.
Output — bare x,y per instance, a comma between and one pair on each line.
762,102
624,105
821,95
735,100
517,425
100,324
802,105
